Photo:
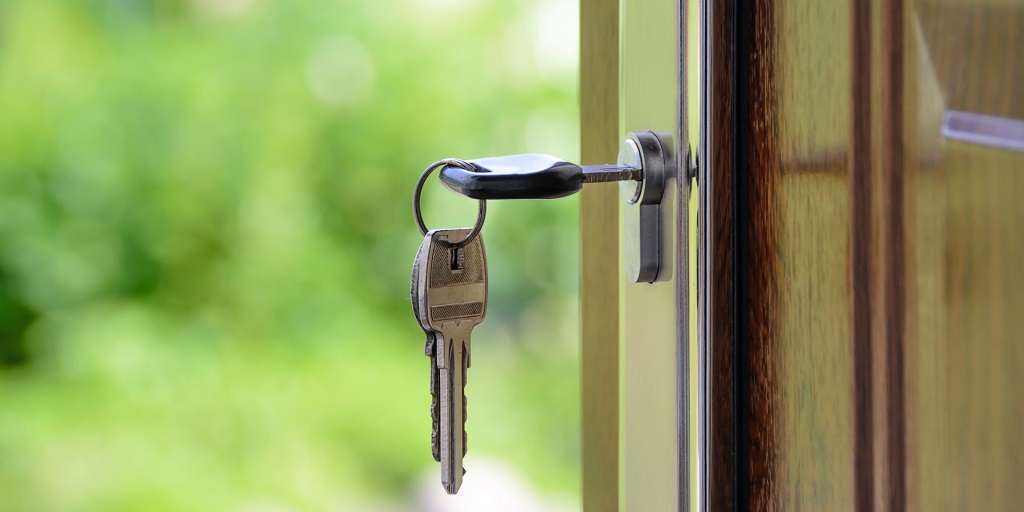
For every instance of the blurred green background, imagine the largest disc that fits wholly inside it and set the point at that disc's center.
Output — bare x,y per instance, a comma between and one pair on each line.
206,242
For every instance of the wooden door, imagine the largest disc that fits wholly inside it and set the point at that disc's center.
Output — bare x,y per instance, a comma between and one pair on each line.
862,309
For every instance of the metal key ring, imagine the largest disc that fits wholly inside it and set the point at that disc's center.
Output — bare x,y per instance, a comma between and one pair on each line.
419,188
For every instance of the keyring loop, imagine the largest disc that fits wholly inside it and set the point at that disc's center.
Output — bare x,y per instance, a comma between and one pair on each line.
419,189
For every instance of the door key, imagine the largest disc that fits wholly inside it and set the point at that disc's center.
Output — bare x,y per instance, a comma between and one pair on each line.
451,300
449,278
645,165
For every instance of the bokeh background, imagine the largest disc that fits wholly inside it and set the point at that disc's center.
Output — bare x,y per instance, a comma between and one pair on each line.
206,242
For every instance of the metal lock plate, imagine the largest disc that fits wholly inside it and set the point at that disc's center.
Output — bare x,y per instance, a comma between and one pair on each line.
641,215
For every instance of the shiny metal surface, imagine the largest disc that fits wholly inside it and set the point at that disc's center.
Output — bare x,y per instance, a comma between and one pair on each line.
418,191
997,132
704,292
629,155
690,72
452,298
641,215
608,173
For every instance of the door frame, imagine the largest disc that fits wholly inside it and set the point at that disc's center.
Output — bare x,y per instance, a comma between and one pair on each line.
635,349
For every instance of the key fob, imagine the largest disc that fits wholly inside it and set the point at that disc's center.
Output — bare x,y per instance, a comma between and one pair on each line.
529,176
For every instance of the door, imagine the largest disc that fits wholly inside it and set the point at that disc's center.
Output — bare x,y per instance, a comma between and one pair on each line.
841,328
861,224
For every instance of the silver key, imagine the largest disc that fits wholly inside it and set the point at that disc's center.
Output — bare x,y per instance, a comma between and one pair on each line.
430,346
454,299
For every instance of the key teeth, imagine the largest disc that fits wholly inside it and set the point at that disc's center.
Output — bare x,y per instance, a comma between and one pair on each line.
435,409
453,487
464,435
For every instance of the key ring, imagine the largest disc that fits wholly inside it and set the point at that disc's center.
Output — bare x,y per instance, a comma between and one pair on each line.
419,188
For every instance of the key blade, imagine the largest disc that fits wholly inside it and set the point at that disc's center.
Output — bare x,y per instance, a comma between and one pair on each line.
608,173
453,418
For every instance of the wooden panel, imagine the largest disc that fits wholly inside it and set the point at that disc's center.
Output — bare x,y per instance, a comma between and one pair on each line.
784,341
599,257
865,313
804,276
715,261
965,241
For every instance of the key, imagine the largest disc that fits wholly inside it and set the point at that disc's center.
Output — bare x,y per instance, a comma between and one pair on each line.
531,176
646,163
429,349
454,299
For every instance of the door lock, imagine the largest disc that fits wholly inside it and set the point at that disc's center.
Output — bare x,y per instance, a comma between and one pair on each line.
641,215
644,164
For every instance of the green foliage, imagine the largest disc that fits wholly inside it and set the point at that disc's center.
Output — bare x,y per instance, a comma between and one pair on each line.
205,242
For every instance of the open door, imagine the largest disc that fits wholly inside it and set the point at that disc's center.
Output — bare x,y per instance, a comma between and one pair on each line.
861,225
852,334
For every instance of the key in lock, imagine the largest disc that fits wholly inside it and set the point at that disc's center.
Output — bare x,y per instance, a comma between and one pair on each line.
645,165
449,276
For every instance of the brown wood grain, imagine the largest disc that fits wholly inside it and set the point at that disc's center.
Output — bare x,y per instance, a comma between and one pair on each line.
759,277
809,309
862,269
893,250
719,266
868,309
